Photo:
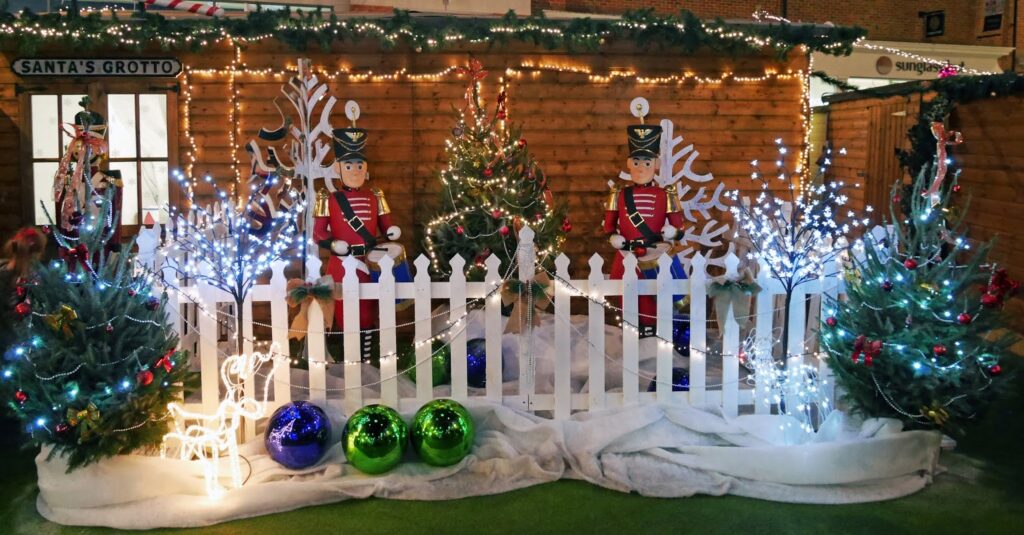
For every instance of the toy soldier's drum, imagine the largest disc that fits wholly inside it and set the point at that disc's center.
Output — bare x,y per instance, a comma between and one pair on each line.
648,264
401,268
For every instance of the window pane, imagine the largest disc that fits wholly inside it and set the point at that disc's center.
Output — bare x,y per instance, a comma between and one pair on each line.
121,109
154,191
130,195
153,126
69,106
44,126
42,186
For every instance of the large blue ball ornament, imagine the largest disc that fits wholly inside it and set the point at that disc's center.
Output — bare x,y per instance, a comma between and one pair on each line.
681,333
680,381
298,435
476,363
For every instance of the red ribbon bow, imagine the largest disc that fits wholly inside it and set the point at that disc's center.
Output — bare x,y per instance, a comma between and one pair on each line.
476,72
943,139
869,348
78,254
165,361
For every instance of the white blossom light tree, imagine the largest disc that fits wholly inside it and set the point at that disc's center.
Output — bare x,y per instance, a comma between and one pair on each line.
794,231
221,246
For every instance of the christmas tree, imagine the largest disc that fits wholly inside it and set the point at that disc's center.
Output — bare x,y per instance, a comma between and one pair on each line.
491,188
95,364
914,339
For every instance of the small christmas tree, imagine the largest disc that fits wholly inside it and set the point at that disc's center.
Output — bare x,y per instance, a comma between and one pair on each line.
914,339
490,189
95,364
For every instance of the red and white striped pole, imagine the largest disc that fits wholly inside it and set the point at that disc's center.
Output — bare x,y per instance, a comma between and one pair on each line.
191,6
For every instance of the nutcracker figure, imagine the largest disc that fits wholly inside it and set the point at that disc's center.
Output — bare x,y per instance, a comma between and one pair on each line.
643,217
350,221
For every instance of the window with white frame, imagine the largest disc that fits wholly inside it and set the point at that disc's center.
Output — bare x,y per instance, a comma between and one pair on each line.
138,147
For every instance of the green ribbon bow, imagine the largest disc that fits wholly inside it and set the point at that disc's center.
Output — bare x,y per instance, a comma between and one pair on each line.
85,419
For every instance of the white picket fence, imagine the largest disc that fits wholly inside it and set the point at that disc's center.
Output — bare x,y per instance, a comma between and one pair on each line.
199,332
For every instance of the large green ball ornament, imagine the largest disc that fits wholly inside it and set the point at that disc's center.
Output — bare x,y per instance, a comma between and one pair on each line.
442,432
440,362
374,439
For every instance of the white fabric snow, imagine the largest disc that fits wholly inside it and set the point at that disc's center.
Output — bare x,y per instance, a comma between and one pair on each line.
653,450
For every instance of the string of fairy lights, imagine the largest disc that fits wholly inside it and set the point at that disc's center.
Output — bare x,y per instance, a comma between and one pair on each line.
238,69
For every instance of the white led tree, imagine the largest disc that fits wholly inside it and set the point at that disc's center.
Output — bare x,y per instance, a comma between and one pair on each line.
793,231
221,246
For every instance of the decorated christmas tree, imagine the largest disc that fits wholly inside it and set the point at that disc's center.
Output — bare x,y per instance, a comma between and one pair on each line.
95,364
491,188
917,338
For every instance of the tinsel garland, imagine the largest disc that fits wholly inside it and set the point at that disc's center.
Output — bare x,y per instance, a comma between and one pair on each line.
683,32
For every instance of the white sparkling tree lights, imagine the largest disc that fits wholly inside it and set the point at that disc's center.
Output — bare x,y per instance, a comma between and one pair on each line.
794,232
220,246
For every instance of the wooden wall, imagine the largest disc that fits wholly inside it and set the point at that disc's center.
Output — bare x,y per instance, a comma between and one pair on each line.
991,159
574,127
871,131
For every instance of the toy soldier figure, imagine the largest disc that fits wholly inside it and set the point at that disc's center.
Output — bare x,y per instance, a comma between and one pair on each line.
348,221
642,216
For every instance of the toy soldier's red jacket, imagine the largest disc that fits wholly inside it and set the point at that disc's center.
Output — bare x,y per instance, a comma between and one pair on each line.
330,223
654,206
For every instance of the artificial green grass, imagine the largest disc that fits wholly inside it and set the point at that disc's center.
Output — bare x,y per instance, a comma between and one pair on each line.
980,493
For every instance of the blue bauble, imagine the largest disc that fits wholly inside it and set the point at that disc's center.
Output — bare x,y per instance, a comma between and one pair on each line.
680,381
476,362
681,333
298,435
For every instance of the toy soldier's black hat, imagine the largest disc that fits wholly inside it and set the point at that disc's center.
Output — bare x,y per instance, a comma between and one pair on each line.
349,144
88,118
644,140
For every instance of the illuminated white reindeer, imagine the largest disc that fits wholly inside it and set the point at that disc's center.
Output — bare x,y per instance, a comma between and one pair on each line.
214,435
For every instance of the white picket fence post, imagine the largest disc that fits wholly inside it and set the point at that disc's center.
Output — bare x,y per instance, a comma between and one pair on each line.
467,313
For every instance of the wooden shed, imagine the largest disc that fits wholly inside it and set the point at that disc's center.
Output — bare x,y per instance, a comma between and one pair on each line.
872,126
573,107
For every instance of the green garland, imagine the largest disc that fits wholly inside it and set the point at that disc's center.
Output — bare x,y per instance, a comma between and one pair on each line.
681,32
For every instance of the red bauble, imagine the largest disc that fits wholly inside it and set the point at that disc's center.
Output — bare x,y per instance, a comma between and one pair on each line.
488,172
459,230
109,328
521,142
887,285
496,214
501,115
20,396
640,251
21,292
939,350
995,369
990,300
964,318
23,309
153,303
956,188
46,229
910,263
831,322
144,378
566,227
504,230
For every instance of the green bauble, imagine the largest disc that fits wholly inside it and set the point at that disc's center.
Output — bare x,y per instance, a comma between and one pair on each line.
374,439
442,432
441,362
